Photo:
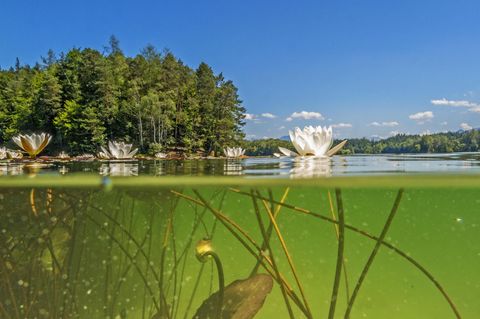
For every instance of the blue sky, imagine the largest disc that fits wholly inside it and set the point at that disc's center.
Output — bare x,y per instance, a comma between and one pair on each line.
369,68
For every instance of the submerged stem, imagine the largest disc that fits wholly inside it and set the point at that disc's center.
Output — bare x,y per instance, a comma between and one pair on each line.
270,227
274,264
232,227
221,282
374,252
415,263
345,274
341,244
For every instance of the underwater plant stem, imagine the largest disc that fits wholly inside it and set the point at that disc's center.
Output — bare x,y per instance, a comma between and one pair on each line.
340,250
183,255
221,281
374,253
274,264
194,291
9,288
347,288
131,259
270,227
4,311
231,227
127,233
162,296
401,253
287,254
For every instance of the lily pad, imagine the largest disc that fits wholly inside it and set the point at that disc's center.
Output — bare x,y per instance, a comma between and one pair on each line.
242,299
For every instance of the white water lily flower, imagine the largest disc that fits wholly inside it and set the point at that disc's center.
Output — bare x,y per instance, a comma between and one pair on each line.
233,152
33,144
63,155
160,155
11,154
117,150
103,155
312,141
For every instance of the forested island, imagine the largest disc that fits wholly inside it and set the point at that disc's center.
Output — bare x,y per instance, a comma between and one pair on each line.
461,141
85,97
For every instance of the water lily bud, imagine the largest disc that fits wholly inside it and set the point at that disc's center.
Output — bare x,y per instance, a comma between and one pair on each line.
203,249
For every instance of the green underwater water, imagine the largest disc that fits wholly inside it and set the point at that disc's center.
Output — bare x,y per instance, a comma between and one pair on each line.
112,248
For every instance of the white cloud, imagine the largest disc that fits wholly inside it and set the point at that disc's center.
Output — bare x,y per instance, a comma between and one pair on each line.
269,115
444,123
465,127
305,115
249,116
394,133
342,125
458,103
421,117
281,127
387,124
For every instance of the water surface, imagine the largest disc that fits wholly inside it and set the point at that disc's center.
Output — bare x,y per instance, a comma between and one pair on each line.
268,166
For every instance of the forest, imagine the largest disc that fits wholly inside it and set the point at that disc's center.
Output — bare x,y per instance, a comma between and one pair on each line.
85,97
461,141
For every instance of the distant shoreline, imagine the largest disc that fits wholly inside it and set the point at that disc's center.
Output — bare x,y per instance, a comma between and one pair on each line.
446,142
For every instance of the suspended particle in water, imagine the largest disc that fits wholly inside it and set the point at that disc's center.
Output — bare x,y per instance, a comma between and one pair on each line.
43,312
459,220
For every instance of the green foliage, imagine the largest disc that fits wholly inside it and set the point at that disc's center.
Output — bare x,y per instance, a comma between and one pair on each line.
265,147
84,97
461,141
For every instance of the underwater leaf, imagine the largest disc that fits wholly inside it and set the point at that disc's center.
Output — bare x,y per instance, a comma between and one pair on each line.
242,299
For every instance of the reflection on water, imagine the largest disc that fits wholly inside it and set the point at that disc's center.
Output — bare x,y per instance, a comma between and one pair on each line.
11,169
269,167
309,167
233,167
119,169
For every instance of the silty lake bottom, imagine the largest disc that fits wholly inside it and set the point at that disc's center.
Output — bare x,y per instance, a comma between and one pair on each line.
375,247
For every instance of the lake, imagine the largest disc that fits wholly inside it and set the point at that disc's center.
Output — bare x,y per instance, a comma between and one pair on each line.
357,236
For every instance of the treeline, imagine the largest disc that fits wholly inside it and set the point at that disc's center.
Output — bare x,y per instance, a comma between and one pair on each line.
461,141
85,97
